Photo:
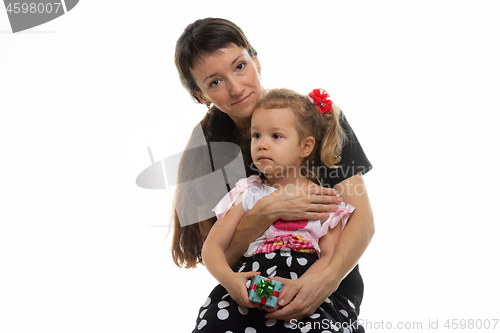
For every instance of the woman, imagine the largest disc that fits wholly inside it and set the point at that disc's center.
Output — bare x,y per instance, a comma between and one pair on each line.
219,67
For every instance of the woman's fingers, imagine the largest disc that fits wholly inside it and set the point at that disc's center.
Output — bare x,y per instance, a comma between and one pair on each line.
307,202
316,189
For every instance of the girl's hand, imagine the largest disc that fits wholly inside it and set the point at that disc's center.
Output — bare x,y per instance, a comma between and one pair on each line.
236,287
286,285
300,298
311,202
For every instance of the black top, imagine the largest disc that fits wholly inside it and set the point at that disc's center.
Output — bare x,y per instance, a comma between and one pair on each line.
353,158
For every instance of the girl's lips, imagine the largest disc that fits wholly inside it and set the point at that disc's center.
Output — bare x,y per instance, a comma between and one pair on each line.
244,100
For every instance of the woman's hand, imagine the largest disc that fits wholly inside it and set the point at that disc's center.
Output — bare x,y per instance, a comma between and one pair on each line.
311,202
290,203
300,298
235,285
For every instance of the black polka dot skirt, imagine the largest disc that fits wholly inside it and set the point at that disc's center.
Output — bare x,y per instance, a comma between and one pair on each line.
338,313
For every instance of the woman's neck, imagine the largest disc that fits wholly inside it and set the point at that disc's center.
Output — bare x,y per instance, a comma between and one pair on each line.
243,125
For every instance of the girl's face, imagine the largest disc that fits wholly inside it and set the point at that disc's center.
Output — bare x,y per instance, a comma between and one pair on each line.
276,146
230,80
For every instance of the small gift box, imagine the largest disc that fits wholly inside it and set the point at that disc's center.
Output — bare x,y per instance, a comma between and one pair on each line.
264,291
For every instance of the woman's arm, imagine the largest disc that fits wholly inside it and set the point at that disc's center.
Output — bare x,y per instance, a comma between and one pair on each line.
313,202
303,298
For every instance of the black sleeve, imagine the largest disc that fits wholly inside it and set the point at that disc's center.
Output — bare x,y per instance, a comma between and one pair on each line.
353,158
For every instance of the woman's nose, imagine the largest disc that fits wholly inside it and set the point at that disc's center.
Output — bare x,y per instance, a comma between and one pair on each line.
235,86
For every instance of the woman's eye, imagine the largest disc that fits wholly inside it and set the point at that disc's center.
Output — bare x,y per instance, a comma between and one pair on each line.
214,83
241,65
277,136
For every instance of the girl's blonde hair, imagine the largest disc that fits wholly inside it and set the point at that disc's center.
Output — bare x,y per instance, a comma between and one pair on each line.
324,128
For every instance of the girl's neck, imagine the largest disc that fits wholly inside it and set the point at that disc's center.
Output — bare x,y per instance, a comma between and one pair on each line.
284,181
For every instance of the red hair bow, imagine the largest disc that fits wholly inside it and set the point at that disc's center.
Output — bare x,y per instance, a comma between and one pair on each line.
320,98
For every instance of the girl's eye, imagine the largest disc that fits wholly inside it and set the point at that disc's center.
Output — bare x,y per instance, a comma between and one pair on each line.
256,135
241,65
214,83
277,136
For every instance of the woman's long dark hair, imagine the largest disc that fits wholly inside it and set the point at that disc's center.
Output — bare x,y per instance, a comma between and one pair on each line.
201,38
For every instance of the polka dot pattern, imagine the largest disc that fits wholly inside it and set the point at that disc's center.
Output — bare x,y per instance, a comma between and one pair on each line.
302,261
223,304
221,313
270,255
271,322
243,311
255,266
202,324
271,271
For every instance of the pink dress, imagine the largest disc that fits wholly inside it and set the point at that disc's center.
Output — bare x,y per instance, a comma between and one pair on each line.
300,236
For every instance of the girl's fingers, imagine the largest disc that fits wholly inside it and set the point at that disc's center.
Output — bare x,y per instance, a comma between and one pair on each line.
249,275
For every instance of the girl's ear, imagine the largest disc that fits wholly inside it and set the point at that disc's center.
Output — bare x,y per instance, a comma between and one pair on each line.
307,146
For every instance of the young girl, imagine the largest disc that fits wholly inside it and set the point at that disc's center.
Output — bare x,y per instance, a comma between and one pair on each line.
286,129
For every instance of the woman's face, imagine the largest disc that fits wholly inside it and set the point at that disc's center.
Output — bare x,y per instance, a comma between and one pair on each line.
230,80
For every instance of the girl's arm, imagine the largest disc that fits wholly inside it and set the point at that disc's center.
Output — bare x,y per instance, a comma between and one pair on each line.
305,296
217,241
313,202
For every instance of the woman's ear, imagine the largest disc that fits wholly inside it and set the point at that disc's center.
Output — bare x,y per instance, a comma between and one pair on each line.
202,98
257,63
307,146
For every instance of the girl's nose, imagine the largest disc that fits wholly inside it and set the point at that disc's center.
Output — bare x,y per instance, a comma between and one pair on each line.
263,145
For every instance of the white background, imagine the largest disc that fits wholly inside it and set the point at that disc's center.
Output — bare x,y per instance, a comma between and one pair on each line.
83,249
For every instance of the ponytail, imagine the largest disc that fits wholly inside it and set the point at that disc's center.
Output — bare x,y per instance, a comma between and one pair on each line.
334,139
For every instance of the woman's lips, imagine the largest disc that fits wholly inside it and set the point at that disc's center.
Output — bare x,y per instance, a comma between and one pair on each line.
243,101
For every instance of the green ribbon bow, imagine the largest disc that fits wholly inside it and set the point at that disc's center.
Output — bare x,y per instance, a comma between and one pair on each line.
265,288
